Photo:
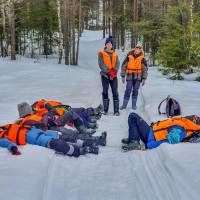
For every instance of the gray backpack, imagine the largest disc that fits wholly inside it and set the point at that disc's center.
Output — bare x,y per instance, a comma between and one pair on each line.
172,108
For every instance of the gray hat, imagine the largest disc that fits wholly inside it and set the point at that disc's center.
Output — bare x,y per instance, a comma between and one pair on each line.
24,109
139,44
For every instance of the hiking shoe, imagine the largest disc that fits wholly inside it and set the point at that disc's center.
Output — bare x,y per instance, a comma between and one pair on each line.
102,138
132,145
125,140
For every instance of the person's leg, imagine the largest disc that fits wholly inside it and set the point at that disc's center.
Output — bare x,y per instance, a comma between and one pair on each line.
114,88
67,135
129,85
62,147
90,140
138,128
105,85
136,86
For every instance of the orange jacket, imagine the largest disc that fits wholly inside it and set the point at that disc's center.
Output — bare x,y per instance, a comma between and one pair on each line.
160,128
14,133
110,63
134,65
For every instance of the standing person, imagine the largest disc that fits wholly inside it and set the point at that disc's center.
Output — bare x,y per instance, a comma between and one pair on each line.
109,65
135,69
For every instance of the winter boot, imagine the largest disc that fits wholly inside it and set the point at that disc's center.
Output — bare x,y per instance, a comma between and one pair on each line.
102,139
125,140
132,145
105,106
93,120
94,149
83,130
98,109
116,107
134,101
93,125
124,105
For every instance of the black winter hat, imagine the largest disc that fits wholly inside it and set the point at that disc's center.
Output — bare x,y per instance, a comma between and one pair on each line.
109,39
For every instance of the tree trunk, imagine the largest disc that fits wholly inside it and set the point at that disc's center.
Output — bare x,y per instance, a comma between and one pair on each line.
60,43
79,30
12,28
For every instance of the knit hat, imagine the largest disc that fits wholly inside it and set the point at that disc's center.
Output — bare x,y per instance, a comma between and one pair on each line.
109,39
24,109
139,45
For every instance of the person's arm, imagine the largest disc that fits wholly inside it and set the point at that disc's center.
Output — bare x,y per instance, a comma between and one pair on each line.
152,143
123,67
144,69
117,65
12,147
102,66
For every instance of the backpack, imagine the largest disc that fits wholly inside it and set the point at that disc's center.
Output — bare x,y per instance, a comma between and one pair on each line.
172,108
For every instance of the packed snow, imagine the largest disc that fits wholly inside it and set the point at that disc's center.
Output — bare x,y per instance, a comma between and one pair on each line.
169,172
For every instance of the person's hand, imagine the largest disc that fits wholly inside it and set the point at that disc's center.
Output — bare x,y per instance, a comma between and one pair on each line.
112,73
123,80
14,150
142,82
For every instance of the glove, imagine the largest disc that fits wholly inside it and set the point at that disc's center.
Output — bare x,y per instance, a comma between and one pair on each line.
14,150
143,82
123,80
112,73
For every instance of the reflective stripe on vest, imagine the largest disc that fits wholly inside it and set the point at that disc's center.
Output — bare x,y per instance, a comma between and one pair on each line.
15,133
107,60
134,65
160,128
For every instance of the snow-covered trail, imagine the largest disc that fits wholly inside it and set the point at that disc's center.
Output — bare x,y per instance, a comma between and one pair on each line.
169,172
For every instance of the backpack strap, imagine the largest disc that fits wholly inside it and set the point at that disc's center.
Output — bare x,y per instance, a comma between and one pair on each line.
161,104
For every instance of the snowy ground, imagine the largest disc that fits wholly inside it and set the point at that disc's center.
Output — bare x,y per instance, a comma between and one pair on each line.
170,172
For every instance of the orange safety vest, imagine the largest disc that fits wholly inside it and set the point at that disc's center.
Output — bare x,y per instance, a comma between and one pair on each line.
134,65
160,128
31,119
110,63
14,133
39,106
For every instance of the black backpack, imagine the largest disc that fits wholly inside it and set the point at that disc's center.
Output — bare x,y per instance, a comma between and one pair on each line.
172,107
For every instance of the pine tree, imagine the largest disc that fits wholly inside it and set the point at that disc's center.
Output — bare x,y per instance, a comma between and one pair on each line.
175,48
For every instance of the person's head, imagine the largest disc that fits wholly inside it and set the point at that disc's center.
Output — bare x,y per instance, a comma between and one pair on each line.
194,118
24,109
109,43
138,49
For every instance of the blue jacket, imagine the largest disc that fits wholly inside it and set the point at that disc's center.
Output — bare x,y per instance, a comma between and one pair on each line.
152,143
34,136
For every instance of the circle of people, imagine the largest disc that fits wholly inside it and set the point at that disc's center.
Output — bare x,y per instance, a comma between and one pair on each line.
44,122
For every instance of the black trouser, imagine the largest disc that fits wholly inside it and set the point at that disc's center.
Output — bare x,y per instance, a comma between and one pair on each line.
138,128
114,87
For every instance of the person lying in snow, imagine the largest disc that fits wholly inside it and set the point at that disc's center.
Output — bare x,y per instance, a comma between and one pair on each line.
12,135
54,118
89,116
52,121
172,130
